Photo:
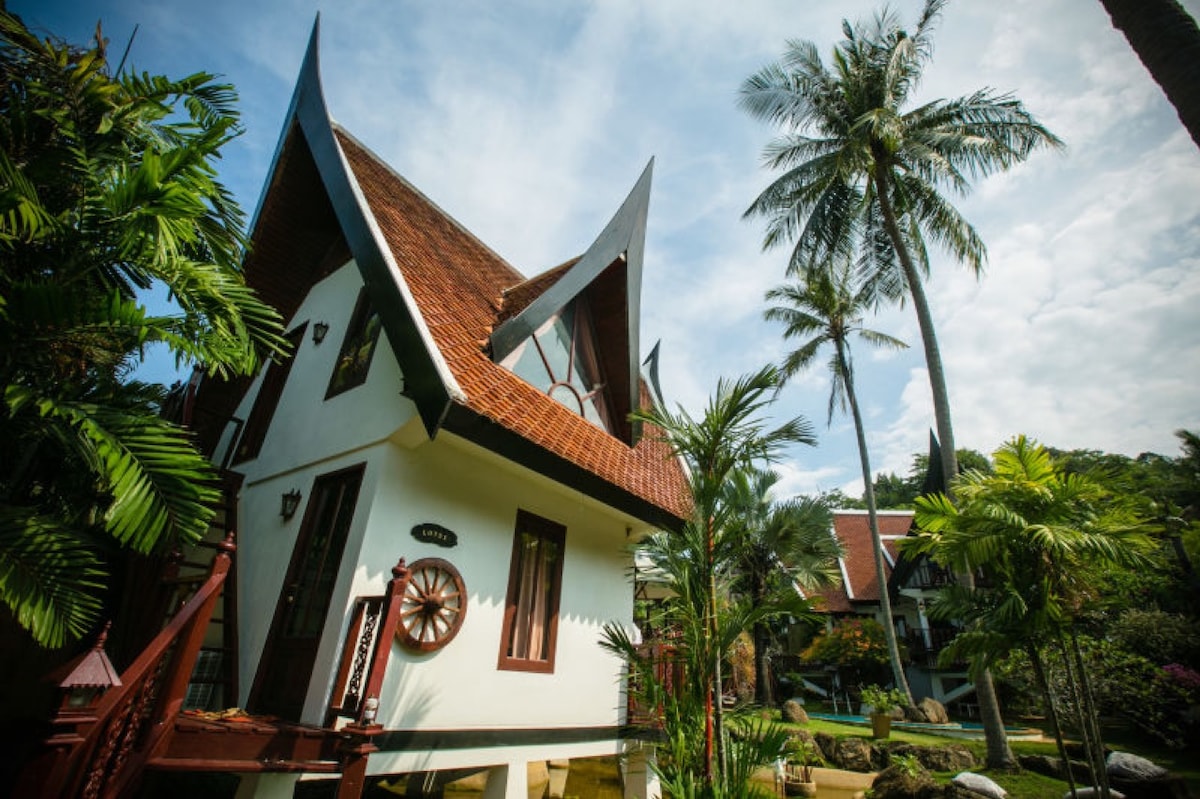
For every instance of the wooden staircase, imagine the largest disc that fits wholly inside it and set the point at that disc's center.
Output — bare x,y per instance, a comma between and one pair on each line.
103,750
213,685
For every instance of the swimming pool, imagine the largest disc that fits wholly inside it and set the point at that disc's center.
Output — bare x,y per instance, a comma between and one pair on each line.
965,730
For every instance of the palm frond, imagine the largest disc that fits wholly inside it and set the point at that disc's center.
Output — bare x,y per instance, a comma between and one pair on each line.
50,576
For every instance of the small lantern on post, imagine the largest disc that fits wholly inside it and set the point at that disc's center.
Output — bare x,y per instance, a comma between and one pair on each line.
84,680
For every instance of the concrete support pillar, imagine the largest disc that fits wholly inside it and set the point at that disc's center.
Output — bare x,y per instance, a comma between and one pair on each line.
558,777
509,781
267,786
640,780
924,620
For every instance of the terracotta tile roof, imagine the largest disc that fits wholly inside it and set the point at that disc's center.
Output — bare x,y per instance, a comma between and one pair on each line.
458,284
517,298
858,563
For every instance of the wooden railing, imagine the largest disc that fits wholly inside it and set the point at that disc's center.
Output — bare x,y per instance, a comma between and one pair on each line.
365,652
668,671
925,645
100,752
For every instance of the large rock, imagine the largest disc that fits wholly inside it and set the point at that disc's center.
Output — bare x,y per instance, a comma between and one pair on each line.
827,744
896,783
933,710
979,784
1132,767
1053,767
794,713
853,754
1162,788
950,757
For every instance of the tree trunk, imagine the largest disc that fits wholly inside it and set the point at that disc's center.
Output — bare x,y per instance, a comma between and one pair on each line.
1167,41
714,744
999,755
1092,717
1086,732
885,601
763,693
1039,672
933,353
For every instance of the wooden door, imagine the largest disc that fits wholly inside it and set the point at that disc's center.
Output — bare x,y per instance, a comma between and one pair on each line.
287,663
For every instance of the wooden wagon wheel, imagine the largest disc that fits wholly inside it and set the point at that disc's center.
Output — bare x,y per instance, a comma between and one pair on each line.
433,606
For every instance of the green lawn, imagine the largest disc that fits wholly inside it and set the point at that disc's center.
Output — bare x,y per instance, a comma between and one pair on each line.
1025,784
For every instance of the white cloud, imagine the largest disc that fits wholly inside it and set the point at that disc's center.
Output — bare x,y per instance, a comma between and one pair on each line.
530,121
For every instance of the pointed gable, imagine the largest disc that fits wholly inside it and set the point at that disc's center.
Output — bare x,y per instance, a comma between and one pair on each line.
458,287
441,296
609,276
857,563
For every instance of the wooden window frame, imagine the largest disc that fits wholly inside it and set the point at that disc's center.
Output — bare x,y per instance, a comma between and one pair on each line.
551,531
358,322
270,391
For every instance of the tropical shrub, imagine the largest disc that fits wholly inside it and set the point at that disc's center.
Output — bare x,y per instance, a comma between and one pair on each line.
856,646
883,700
1158,636
1159,701
108,189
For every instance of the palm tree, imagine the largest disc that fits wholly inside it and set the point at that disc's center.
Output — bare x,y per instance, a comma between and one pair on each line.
776,546
864,178
1039,534
730,435
675,674
827,310
107,188
1167,41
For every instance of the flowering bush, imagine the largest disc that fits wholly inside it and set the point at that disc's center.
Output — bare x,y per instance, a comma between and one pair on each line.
1182,676
853,643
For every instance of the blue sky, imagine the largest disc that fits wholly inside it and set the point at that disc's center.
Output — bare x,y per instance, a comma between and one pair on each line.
530,120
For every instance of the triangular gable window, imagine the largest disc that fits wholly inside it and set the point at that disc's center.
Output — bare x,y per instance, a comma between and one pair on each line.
560,359
582,328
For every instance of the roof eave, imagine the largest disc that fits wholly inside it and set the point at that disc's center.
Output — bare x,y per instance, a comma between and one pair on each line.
490,435
427,379
623,238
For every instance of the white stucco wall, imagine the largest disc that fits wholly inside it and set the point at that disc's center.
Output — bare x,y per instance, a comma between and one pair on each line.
477,494
410,480
308,428
308,436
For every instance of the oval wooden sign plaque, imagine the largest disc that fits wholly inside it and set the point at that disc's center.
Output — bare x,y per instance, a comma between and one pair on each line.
431,533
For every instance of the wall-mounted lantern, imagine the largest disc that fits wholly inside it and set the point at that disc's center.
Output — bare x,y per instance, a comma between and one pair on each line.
319,331
288,504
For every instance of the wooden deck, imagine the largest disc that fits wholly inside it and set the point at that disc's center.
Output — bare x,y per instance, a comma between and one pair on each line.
239,742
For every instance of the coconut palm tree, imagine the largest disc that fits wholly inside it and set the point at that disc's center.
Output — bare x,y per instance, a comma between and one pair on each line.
107,189
731,434
1167,41
865,178
775,547
1038,533
827,309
